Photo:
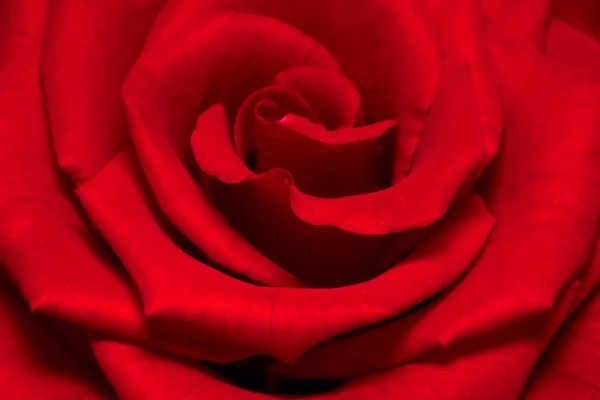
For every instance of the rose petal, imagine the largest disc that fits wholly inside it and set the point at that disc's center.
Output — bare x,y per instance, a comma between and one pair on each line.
35,365
569,368
160,101
128,367
495,372
43,241
590,277
580,14
460,31
396,79
320,256
324,163
545,196
222,60
281,100
452,148
277,321
330,93
89,48
566,44
517,20
544,190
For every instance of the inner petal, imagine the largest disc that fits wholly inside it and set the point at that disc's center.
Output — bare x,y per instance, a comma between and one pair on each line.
276,127
333,96
269,103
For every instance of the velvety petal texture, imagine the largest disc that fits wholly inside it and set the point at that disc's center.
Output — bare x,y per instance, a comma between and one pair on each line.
248,199
517,276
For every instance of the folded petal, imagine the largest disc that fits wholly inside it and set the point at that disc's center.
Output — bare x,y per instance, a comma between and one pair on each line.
461,35
451,155
569,369
37,366
128,367
332,95
545,196
323,163
523,21
573,48
580,14
396,79
283,322
43,240
589,277
89,48
495,368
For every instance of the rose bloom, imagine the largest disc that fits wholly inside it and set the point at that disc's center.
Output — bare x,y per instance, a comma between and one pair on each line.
257,199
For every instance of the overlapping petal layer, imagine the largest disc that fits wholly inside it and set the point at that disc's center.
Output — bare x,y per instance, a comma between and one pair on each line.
283,322
545,190
481,336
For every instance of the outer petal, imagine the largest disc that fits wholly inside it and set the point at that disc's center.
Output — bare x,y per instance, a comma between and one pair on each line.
43,240
459,26
89,48
494,369
581,14
486,373
570,369
452,153
332,95
34,364
128,367
282,322
167,89
570,366
573,48
523,21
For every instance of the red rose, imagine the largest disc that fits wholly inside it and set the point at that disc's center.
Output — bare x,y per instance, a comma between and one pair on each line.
231,199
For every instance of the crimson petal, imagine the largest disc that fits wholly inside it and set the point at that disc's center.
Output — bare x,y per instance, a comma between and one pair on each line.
38,222
517,20
282,322
452,148
89,48
34,364
332,95
325,163
566,44
569,368
492,373
580,14
165,91
545,196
